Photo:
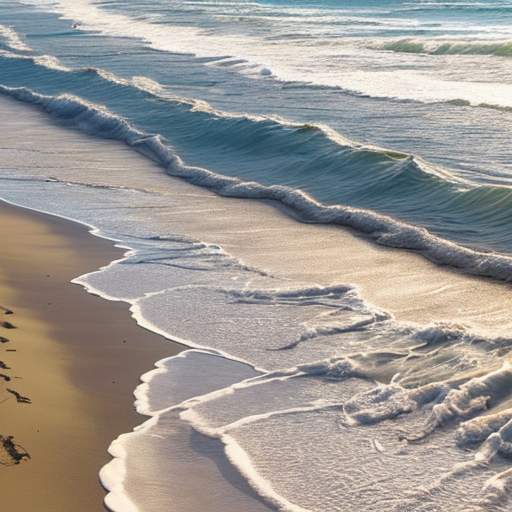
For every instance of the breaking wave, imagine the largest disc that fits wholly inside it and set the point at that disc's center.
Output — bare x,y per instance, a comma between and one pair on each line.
383,229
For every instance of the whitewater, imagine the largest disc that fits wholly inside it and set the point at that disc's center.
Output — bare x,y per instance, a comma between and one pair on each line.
315,200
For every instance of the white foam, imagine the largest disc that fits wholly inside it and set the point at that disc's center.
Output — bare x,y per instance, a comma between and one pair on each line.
426,77
471,398
163,388
201,373
112,477
480,428
13,39
240,458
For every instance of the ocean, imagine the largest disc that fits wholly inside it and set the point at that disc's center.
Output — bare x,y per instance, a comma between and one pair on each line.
269,138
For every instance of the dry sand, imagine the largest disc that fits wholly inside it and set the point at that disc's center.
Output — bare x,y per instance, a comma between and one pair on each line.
76,357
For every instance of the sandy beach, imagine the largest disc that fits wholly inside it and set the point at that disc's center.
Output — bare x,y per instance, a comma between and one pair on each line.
255,256
72,361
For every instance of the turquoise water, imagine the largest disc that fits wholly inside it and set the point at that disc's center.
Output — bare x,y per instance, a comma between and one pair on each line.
392,118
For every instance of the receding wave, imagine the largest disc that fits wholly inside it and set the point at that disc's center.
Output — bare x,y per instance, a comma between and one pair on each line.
357,386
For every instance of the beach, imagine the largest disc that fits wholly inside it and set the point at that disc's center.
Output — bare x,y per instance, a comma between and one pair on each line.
76,358
79,357
295,291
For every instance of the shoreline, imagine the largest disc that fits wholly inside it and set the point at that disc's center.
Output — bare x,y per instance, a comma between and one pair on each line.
399,281
259,233
76,359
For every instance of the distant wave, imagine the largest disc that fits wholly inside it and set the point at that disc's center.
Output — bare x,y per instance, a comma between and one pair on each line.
432,47
12,39
465,103
382,229
467,7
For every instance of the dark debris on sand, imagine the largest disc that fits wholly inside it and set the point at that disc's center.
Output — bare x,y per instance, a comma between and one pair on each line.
10,452
19,398
6,325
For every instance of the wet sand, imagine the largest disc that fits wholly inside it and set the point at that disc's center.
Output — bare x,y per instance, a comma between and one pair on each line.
71,362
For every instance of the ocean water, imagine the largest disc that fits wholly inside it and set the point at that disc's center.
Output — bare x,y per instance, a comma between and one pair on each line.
390,118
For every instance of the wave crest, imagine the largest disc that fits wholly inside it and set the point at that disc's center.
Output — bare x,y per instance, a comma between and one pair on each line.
98,120
496,48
